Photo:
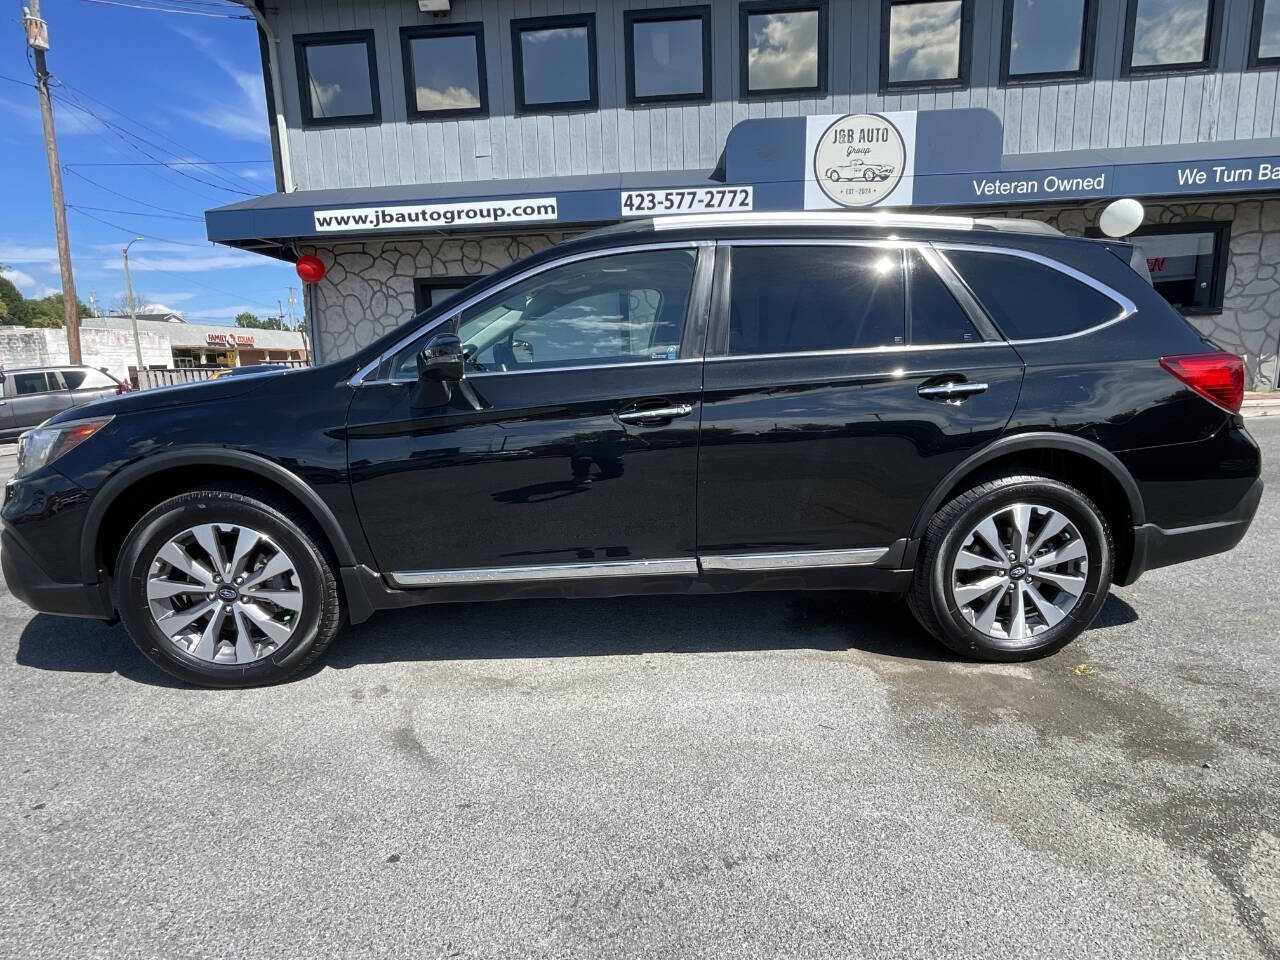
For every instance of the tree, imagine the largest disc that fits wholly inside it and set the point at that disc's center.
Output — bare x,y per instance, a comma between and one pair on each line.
9,295
248,319
120,305
52,306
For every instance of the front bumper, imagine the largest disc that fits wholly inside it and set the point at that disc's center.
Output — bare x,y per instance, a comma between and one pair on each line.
1155,546
29,582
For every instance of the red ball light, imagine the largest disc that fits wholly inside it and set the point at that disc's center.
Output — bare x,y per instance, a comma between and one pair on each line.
310,269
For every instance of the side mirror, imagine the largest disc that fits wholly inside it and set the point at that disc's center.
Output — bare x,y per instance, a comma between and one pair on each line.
442,359
441,364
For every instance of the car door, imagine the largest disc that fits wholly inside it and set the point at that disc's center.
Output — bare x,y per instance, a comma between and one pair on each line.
570,447
843,381
37,396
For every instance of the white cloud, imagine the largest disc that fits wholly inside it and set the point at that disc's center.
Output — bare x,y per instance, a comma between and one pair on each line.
188,262
924,43
555,33
1169,31
18,253
23,281
159,308
69,120
784,53
181,296
241,117
454,98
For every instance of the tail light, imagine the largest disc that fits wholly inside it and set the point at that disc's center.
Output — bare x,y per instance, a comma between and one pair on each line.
1216,376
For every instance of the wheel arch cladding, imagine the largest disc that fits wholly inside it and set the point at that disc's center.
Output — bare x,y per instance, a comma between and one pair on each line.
127,496
1080,463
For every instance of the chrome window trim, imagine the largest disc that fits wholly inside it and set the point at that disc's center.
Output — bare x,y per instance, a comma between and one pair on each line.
849,218
543,572
854,351
359,379
802,560
1127,307
963,295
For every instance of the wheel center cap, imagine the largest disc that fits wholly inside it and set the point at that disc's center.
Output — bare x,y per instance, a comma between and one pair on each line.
228,594
1018,571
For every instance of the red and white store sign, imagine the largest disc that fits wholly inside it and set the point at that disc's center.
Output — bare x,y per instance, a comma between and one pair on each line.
229,339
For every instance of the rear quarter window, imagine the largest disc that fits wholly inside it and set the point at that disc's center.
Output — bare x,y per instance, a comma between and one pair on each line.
1029,300
87,379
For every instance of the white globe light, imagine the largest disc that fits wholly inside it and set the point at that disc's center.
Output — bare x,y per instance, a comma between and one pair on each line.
1121,218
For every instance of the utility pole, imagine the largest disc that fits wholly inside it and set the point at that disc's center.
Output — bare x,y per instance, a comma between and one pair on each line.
280,307
293,320
38,40
133,308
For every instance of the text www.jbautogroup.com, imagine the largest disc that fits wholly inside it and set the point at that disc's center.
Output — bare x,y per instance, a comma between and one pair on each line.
400,217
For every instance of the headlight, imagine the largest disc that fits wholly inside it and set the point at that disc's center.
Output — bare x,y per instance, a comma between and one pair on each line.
43,445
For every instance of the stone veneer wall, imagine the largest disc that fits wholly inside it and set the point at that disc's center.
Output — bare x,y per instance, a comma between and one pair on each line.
1249,324
368,285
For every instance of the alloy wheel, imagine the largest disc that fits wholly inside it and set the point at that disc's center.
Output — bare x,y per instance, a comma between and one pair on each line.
1019,572
224,593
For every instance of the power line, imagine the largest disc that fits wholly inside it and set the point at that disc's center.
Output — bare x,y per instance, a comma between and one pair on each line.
123,196
160,163
155,9
128,139
139,233
138,213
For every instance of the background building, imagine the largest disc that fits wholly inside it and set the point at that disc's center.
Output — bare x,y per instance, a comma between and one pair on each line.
107,343
416,151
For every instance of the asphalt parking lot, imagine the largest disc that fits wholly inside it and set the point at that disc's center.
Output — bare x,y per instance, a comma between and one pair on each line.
760,776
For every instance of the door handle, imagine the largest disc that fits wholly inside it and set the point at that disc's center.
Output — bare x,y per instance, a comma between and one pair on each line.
956,390
656,414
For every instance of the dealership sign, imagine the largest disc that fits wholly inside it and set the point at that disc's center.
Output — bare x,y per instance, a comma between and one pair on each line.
229,339
860,160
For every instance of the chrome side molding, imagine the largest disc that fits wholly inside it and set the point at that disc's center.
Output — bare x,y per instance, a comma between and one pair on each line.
555,571
803,560
809,559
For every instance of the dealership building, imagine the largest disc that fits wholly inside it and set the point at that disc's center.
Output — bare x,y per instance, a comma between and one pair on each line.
420,144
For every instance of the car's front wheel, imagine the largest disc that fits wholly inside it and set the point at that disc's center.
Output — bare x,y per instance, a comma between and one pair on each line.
223,588
1013,569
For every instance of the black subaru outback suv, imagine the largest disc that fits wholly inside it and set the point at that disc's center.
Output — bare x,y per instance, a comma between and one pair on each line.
992,418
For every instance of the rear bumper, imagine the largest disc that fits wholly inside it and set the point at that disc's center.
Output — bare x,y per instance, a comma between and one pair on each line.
28,582
1155,546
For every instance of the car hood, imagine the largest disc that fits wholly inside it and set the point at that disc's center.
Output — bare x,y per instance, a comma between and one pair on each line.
179,395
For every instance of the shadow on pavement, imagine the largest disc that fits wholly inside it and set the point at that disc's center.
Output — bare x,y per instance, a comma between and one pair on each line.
523,629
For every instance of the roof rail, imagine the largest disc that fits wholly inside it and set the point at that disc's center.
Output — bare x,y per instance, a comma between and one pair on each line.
851,219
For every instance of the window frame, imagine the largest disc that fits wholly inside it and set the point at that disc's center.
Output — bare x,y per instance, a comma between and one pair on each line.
964,66
53,385
529,24
427,32
1212,42
301,42
664,15
754,8
1221,229
1088,43
1256,60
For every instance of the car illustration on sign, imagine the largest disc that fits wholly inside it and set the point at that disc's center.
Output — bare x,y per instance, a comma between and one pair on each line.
859,169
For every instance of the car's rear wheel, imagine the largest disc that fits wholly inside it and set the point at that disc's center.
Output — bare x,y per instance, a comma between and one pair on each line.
1013,569
223,588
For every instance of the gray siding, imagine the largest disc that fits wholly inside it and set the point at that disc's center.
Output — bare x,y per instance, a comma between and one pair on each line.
1232,104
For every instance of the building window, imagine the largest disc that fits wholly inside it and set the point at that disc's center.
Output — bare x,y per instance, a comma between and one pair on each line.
1164,35
555,63
1188,263
783,49
428,291
1047,41
444,71
337,78
924,43
668,54
1264,51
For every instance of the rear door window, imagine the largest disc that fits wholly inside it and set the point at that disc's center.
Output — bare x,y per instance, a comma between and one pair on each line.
1028,300
795,299
25,384
87,380
936,317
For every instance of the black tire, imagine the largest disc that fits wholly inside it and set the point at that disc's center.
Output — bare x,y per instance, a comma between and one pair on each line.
317,622
930,597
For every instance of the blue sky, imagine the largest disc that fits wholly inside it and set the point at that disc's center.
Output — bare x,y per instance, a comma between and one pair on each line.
191,86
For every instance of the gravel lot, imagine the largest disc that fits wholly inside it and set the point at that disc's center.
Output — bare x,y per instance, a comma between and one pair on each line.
761,776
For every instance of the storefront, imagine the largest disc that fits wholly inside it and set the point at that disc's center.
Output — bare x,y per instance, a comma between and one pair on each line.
418,149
